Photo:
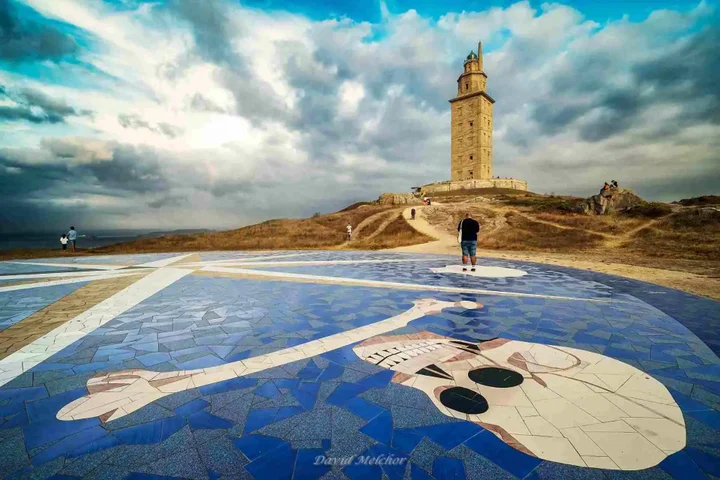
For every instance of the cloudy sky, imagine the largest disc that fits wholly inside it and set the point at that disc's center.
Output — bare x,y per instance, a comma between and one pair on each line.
219,113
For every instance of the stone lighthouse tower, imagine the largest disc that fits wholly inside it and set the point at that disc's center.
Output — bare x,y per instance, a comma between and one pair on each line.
472,123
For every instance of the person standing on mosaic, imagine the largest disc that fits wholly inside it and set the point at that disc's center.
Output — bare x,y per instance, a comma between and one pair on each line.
72,236
468,228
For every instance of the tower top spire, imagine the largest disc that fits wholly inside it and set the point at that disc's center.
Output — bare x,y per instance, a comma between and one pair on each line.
479,54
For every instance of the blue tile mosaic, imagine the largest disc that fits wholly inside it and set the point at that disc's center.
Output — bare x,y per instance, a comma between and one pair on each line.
276,423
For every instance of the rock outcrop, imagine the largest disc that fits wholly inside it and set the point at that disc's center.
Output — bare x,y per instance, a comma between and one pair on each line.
610,201
398,199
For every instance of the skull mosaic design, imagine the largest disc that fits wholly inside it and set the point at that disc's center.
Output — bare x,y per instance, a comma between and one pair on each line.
560,404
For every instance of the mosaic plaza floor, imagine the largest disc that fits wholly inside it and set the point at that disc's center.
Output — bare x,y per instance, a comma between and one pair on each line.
351,365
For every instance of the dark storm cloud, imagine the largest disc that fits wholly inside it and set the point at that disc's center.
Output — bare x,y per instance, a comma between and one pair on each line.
132,121
168,201
22,173
255,100
618,112
27,40
79,165
135,169
36,107
688,73
200,103
135,121
169,130
685,75
209,22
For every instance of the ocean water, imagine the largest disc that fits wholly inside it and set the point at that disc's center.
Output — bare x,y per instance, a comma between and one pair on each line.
86,239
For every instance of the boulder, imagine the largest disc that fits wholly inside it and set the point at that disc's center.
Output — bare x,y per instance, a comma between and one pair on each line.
398,199
610,201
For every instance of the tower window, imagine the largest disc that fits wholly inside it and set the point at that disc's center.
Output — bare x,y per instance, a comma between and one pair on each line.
471,124
471,157
467,86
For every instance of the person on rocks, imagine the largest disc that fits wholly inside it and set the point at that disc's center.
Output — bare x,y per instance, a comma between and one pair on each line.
412,214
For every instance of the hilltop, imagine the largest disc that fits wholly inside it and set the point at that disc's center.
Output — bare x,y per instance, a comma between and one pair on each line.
675,244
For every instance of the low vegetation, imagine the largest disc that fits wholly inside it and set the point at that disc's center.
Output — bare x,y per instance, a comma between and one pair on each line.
700,201
317,232
648,210
550,204
689,234
608,224
521,233
447,217
398,233
688,231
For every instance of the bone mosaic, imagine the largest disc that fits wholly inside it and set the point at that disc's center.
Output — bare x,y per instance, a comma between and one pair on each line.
223,377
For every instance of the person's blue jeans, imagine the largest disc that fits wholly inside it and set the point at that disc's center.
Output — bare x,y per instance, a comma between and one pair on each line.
469,248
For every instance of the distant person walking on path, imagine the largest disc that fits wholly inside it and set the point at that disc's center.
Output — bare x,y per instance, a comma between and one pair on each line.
349,232
412,214
468,229
72,236
63,241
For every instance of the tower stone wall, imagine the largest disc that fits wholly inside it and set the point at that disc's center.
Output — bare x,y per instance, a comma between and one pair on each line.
472,123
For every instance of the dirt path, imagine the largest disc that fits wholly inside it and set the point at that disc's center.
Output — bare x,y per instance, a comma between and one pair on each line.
443,243
561,226
620,239
446,243
363,225
391,217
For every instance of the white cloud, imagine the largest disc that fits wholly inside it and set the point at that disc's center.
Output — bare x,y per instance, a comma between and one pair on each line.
229,103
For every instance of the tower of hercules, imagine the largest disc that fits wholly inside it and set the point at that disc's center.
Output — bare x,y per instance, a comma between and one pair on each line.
472,123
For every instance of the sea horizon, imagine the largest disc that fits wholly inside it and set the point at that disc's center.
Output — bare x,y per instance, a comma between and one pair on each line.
92,238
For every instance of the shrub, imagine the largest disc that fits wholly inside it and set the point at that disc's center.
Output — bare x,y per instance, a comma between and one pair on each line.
648,210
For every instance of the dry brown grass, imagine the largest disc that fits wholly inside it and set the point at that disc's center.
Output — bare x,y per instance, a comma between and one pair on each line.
543,203
447,217
523,234
610,224
323,231
398,233
41,253
370,228
689,234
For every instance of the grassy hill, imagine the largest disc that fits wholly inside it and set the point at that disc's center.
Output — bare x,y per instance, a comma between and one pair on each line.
688,230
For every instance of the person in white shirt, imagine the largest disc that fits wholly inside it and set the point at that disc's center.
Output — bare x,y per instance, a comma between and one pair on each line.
63,241
349,232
